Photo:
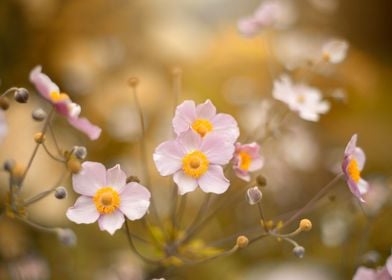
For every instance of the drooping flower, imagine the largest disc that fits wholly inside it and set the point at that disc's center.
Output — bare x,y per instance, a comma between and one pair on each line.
247,159
106,197
383,273
62,103
301,98
352,165
335,51
3,126
204,120
272,13
195,161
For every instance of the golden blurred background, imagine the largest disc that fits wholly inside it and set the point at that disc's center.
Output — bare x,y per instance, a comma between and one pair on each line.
91,48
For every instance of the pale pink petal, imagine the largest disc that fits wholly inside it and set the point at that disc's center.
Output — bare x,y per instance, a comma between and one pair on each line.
168,157
214,180
184,182
309,115
135,200
360,157
91,178
388,265
83,211
205,110
217,150
363,186
42,82
256,164
242,174
352,144
190,141
116,178
226,126
184,117
111,222
248,27
3,126
84,125
364,273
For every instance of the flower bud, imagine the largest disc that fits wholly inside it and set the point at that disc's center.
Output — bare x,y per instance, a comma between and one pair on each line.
305,225
21,95
38,115
299,251
253,195
74,165
8,165
4,103
261,181
80,152
133,81
60,192
242,241
39,138
131,179
66,236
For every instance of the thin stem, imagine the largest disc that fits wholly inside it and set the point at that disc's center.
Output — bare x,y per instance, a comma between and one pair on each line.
55,140
181,210
36,225
8,91
223,254
173,209
202,211
316,198
52,155
261,213
133,247
45,127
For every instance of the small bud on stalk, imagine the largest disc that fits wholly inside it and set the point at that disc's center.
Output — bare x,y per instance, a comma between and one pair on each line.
299,251
4,103
131,179
80,152
9,165
74,165
242,241
133,81
261,181
39,115
253,195
305,225
66,236
39,138
21,95
60,192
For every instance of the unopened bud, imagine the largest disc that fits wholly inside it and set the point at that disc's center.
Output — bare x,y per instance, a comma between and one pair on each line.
299,251
261,181
60,192
80,152
131,179
4,103
133,81
39,115
21,95
66,236
39,138
253,195
8,165
177,71
242,241
305,225
74,165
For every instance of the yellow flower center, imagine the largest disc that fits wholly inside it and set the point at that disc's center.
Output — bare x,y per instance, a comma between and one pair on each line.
301,98
245,160
195,164
55,96
107,200
202,126
353,170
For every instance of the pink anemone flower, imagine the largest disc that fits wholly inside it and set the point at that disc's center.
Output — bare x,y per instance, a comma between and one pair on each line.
106,197
62,103
195,161
247,159
352,165
204,120
384,273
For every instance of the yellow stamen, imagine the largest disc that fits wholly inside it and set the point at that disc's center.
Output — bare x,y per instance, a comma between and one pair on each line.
202,126
107,200
195,164
300,98
245,160
353,170
55,96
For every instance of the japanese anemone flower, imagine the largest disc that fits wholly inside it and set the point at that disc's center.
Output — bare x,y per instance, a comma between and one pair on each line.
106,197
301,98
62,103
352,165
195,161
204,120
246,159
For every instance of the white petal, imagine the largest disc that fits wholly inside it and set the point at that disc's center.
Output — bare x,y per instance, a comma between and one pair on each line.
168,157
135,200
184,182
184,117
190,141
226,126
91,178
214,180
111,222
116,178
360,157
216,149
206,110
83,212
